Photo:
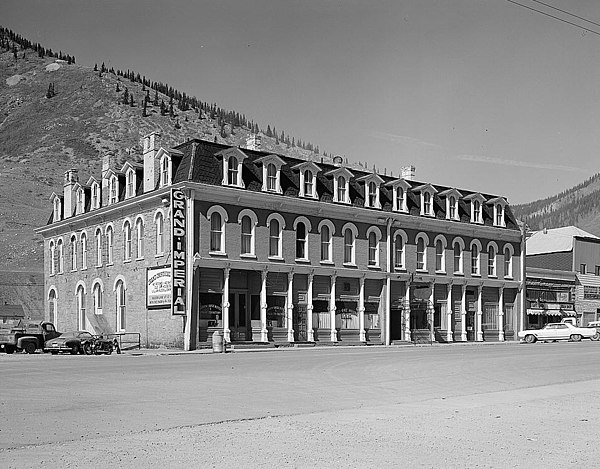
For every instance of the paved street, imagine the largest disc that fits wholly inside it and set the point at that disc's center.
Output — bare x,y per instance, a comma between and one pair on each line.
504,405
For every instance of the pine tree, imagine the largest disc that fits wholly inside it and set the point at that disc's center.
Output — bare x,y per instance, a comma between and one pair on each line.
163,108
155,98
118,89
131,100
125,96
144,112
50,93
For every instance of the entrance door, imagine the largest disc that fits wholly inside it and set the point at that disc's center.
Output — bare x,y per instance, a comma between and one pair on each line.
239,316
299,323
396,324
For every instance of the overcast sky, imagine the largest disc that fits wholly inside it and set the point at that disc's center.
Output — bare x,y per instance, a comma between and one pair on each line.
480,95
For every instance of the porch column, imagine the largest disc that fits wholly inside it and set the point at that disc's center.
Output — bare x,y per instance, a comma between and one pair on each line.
479,314
501,314
431,313
290,306
463,313
226,331
263,307
333,334
361,311
407,337
449,334
310,333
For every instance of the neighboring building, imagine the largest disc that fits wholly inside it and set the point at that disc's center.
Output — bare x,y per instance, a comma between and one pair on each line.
11,313
563,276
269,248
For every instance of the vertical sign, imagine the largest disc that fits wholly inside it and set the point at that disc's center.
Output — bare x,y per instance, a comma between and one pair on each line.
178,245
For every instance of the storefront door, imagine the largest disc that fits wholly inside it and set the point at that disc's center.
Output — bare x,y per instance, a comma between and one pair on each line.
299,323
239,316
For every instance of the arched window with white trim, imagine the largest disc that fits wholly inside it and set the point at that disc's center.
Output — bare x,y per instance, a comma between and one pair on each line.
301,241
373,248
247,220
81,319
52,307
326,230
457,248
109,244
98,237
508,261
121,301
308,183
341,189
350,232
57,210
52,248
400,240
73,252
492,260
80,201
84,250
126,241
97,292
165,171
276,225
61,256
232,171
159,221
475,258
139,237
422,242
95,196
440,258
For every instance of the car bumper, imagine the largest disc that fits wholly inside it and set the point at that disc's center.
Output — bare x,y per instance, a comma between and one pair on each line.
57,348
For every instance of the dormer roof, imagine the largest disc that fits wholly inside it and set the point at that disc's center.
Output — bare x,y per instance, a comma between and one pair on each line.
303,166
371,177
497,200
425,188
275,159
232,151
399,182
449,192
474,196
343,171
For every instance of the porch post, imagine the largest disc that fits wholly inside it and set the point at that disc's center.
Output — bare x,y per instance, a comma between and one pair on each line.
310,333
501,314
290,307
407,337
463,313
263,306
361,310
449,332
333,333
431,313
226,331
479,314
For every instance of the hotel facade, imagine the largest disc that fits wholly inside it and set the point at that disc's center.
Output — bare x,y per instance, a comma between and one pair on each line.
266,248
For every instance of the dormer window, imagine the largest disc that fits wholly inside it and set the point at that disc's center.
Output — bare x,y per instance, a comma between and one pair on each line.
130,183
341,185
452,196
372,183
499,204
427,192
57,209
476,207
308,175
271,170
400,190
80,201
95,196
165,171
113,190
232,167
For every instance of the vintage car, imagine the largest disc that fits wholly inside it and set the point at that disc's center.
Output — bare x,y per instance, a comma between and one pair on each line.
558,331
72,342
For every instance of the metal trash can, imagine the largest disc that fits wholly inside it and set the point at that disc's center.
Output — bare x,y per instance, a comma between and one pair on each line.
218,344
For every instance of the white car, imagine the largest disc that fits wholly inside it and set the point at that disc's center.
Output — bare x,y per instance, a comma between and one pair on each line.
559,331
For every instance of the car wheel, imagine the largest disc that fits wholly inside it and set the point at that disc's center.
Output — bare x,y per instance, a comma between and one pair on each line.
530,339
575,337
9,349
87,348
109,350
75,349
29,347
596,336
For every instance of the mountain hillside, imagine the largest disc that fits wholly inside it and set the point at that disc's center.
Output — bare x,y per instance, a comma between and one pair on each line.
56,115
579,206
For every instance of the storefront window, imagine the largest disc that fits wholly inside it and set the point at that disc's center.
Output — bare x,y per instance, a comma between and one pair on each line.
276,316
346,316
489,319
210,308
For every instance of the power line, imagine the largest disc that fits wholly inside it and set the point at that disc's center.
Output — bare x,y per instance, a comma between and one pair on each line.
566,12
555,17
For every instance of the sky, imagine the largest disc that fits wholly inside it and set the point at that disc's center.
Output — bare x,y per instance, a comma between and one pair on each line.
482,95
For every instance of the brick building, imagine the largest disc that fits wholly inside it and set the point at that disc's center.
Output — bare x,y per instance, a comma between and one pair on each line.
267,248
563,276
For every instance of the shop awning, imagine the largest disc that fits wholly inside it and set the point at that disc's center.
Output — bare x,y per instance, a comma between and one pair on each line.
549,312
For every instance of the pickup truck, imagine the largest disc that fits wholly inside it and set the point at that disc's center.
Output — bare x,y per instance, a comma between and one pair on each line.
27,336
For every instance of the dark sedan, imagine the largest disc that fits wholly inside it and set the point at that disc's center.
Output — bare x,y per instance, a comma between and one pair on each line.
72,342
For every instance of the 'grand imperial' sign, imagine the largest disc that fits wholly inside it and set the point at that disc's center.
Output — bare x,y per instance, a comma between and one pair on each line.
178,245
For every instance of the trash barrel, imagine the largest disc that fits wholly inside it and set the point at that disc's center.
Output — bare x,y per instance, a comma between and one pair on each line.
217,342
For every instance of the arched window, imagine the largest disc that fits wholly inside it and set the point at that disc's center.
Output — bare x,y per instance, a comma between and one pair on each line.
271,177
421,259
95,195
474,259
130,180
164,171
400,199
427,203
52,311
112,190
458,262
508,263
439,256
372,194
80,201
477,211
98,248
341,189
373,249
301,240
56,209
216,232
73,252
121,306
274,239
491,261
61,258
127,241
160,227
232,171
452,207
139,237
325,243
247,235
52,258
109,245
81,319
97,298
308,183
83,251
399,258
349,247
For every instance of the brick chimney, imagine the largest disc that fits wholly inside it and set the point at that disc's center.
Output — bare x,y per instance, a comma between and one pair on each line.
151,144
253,142
408,172
69,199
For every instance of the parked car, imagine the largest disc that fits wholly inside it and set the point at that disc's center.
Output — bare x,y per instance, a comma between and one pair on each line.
558,331
72,342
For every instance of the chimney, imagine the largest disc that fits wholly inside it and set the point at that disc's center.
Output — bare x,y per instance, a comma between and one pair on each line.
151,144
69,199
338,160
408,172
253,142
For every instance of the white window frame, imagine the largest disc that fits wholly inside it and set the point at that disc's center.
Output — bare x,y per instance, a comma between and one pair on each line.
327,243
80,295
511,255
252,236
499,205
492,269
239,156
372,184
341,195
399,204
113,189
165,170
475,260
57,209
73,253
80,201
61,255
349,260
120,290
110,240
278,236
461,246
97,294
52,248
304,242
84,250
271,183
96,196
313,169
373,261
53,306
440,239
217,209
400,234
423,263
130,183
127,248
477,200
98,236
159,239
139,234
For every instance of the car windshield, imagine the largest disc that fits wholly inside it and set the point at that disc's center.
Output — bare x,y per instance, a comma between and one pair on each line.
66,335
